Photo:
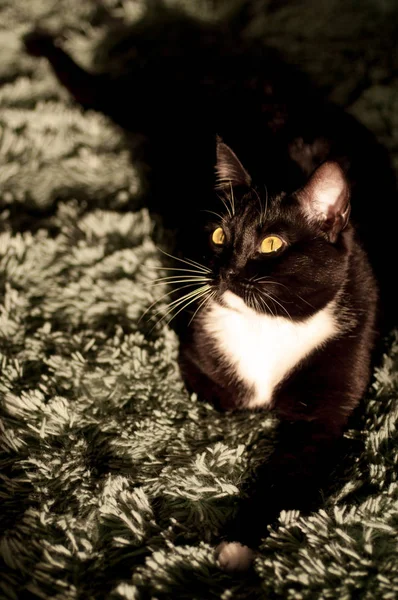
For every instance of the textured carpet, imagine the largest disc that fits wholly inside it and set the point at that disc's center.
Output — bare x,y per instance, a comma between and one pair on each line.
114,482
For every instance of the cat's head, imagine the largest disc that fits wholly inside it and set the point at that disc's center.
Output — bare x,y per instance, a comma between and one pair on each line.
284,255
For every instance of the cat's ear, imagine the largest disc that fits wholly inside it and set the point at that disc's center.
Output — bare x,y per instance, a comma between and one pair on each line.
326,199
229,169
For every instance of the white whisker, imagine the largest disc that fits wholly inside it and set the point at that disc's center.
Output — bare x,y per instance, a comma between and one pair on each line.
190,298
261,206
304,300
225,205
178,301
266,203
178,279
278,303
232,199
164,296
267,279
187,261
212,212
176,269
267,307
203,303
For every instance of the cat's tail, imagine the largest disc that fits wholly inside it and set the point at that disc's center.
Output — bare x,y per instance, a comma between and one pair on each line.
88,89
240,15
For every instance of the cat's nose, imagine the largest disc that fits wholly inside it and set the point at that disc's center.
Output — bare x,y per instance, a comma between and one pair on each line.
229,272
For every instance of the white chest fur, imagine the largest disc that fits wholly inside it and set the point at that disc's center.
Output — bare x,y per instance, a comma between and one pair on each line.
263,349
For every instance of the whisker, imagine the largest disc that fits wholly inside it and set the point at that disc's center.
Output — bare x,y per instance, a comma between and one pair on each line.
204,302
279,304
171,277
177,279
256,303
189,281
266,202
225,205
232,200
187,261
261,206
175,303
267,279
212,212
304,300
178,301
164,296
198,265
188,303
246,298
191,298
175,269
267,307
259,279
262,278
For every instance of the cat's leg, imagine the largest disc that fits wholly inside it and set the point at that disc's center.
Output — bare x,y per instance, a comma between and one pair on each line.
292,479
314,405
214,387
88,89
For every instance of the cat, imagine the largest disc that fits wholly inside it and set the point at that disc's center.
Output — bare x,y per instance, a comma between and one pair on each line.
289,324
278,202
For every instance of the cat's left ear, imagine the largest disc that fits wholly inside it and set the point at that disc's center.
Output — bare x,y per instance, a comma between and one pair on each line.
229,169
326,199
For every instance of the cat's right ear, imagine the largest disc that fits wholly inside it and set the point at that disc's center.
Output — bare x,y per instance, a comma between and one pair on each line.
325,199
229,169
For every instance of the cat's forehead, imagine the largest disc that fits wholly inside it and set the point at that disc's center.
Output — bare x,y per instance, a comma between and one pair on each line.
255,207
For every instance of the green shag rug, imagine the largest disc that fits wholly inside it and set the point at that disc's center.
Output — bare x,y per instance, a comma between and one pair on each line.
114,481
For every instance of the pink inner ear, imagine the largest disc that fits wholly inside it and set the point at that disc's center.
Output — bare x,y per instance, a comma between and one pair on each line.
328,189
325,198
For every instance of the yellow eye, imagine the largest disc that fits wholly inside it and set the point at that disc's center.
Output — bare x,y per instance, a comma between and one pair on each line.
218,236
271,243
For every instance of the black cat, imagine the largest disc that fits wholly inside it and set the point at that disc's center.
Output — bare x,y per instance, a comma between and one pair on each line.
286,321
281,307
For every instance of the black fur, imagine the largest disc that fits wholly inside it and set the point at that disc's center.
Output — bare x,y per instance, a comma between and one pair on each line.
180,83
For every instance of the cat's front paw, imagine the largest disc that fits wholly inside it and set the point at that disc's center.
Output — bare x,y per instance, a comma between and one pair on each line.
234,557
38,42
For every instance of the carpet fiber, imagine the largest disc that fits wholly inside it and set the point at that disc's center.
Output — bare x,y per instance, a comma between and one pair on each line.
114,481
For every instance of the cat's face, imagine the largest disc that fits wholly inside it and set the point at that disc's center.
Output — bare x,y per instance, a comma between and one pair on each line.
283,255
